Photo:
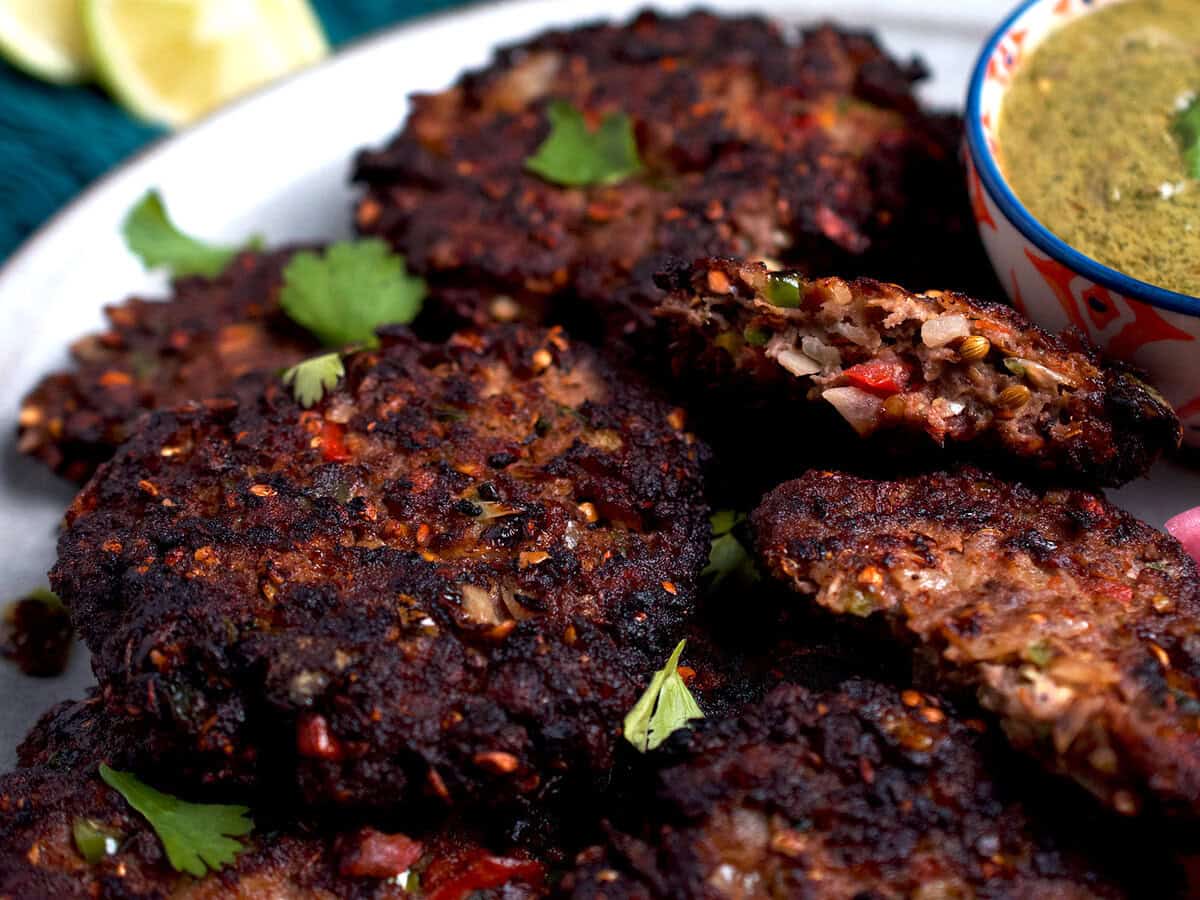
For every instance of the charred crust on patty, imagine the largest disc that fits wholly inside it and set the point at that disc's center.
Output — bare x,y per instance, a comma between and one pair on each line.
58,789
332,590
1074,623
814,152
157,354
861,791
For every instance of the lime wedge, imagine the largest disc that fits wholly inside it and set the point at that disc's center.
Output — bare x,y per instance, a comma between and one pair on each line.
172,61
44,37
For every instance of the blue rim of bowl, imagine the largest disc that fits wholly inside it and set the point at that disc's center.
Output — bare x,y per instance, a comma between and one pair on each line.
1023,220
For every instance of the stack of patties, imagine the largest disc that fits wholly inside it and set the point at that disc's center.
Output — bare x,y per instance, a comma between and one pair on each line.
393,621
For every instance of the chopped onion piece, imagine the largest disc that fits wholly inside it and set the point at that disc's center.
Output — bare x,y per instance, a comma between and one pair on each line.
493,510
797,363
856,333
1046,698
857,407
515,609
827,356
941,330
478,605
751,830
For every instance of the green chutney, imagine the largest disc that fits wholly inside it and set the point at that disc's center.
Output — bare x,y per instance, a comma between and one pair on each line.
1088,138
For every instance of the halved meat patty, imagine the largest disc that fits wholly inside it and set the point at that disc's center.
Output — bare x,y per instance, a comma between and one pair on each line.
811,151
1077,625
452,576
918,370
157,354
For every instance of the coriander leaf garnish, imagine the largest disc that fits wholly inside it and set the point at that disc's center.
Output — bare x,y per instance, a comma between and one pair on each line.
196,836
666,706
313,377
726,555
576,156
1187,129
345,293
150,233
724,520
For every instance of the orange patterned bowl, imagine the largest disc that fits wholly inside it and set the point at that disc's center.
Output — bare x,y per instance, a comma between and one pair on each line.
1051,282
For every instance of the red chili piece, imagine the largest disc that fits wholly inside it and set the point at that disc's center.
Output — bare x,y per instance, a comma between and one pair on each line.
333,443
313,738
379,855
880,376
481,872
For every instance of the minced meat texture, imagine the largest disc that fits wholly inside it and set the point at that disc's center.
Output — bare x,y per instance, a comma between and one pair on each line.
862,791
452,576
917,371
286,855
813,151
157,354
1077,625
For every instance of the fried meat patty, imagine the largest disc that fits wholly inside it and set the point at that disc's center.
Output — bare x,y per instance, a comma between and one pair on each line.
452,575
936,367
1077,625
814,152
864,791
58,790
157,354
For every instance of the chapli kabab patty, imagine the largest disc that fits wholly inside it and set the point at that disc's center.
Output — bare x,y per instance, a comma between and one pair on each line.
58,793
157,354
1077,625
863,791
937,368
452,576
813,151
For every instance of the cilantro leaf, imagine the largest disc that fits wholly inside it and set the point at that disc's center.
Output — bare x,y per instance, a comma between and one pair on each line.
666,706
313,377
150,233
196,836
723,521
343,295
574,155
726,555
1187,128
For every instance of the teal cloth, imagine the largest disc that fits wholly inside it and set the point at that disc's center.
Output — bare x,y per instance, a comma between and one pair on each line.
54,141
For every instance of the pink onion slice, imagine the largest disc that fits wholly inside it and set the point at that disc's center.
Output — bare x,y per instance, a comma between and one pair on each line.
1185,528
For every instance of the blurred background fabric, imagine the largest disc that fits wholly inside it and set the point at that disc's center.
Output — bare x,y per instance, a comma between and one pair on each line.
54,140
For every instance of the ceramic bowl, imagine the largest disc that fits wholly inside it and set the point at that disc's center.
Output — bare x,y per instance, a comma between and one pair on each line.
1049,281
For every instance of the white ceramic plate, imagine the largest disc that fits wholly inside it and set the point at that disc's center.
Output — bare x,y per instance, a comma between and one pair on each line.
276,163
